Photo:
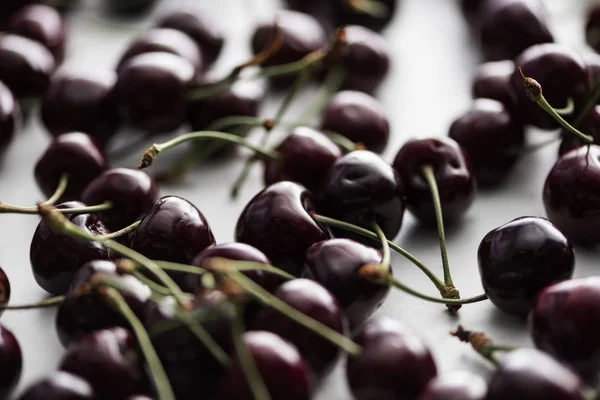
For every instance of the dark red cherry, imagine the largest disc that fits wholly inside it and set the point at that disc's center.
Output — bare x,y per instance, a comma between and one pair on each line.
11,362
283,370
56,257
77,103
346,14
312,299
492,81
132,193
4,288
492,136
519,259
277,222
25,65
334,264
453,173
43,24
564,322
305,157
10,116
456,385
108,360
75,154
393,364
359,117
151,91
572,195
592,27
508,27
527,374
59,386
562,74
589,125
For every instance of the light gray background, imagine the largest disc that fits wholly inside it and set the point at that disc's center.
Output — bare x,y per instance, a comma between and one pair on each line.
434,57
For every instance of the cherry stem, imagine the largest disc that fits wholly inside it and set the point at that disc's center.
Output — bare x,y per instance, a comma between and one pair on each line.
219,264
51,302
482,344
589,104
387,258
332,84
568,109
155,287
177,267
8,209
119,233
203,336
370,7
390,280
60,190
157,371
343,142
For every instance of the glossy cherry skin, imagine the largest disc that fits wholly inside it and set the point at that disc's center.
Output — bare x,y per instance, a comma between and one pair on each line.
562,74
359,117
10,116
344,14
492,136
453,173
25,65
312,299
394,363
4,288
362,188
305,157
564,321
77,103
456,385
277,221
108,360
59,386
527,374
334,263
592,27
572,195
132,193
508,27
56,257
285,373
75,154
43,24
519,259
11,362
492,80
589,125
151,91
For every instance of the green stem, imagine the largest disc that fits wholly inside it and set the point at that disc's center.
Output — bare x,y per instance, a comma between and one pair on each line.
399,285
176,267
8,209
121,232
568,109
482,344
333,83
387,258
223,265
206,339
155,287
543,103
51,302
373,8
60,190
342,141
589,104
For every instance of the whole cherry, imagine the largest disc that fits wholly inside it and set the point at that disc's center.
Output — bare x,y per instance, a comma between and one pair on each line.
59,386
11,362
10,116
456,385
492,80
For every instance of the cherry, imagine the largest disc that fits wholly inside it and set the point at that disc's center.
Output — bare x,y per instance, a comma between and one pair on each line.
75,154
456,385
519,259
277,222
151,90
306,155
508,27
108,360
283,370
393,364
492,136
4,289
528,374
11,362
563,323
590,125
363,189
77,103
562,74
345,14
492,81
359,117
312,299
592,27
56,258
25,65
43,24
571,195
132,193
10,116
453,173
59,386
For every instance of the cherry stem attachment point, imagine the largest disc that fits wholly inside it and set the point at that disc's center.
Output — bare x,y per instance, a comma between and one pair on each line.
482,344
51,302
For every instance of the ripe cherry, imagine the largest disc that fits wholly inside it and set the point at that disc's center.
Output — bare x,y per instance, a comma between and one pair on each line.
11,362
493,81
59,386
10,116
456,385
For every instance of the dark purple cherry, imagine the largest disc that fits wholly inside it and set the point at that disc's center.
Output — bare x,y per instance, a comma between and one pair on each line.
507,27
345,14
492,81
25,65
11,362
519,259
456,385
283,370
334,264
132,193
359,117
43,24
305,157
572,195
151,91
528,374
56,257
77,103
10,116
564,323
589,125
562,74
393,364
492,136
312,299
277,222
75,154
592,27
453,173
4,288
59,386
108,360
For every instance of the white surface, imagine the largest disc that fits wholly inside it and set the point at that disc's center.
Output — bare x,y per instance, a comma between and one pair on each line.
434,58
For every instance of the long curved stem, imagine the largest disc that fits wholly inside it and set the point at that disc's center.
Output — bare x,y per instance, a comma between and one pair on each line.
51,302
8,209
60,190
387,258
592,100
399,285
201,334
119,233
